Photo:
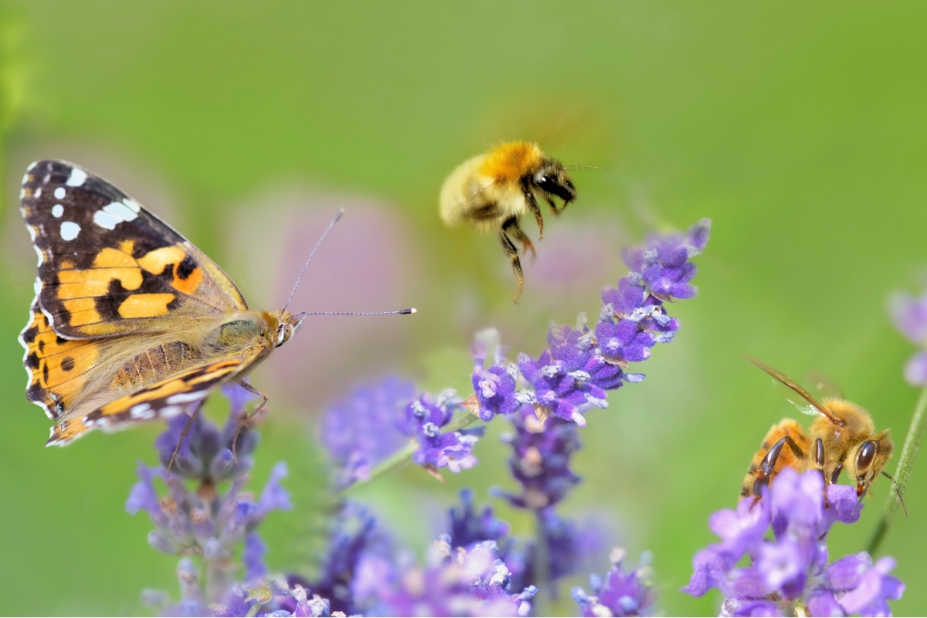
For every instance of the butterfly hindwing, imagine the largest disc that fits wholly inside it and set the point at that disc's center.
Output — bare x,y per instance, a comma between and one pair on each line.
107,266
178,394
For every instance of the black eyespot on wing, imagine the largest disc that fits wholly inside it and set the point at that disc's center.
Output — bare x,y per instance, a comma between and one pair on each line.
67,363
186,268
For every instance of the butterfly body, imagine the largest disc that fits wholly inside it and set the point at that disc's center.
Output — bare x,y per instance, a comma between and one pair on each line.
131,322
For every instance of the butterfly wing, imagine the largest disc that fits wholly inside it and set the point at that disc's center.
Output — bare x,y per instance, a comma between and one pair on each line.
108,267
176,395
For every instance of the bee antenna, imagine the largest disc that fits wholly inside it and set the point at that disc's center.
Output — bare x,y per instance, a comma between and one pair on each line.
314,249
581,166
897,491
408,311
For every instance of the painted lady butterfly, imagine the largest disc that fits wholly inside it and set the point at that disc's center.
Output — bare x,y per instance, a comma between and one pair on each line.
130,321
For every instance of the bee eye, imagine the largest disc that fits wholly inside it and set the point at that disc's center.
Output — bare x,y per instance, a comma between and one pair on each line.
864,459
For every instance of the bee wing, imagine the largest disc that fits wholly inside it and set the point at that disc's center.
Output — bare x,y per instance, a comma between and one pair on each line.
826,385
818,407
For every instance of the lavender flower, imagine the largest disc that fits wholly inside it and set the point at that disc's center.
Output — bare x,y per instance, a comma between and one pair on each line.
360,432
581,364
910,317
540,460
205,454
619,593
494,386
457,582
790,572
423,421
206,522
469,527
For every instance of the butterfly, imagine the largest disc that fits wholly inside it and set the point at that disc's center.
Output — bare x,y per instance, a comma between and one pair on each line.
130,321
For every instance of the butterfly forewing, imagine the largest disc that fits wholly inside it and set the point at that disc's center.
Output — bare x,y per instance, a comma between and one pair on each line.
109,267
131,322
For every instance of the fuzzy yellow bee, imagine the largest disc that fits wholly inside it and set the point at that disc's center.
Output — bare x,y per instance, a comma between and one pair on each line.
842,436
493,190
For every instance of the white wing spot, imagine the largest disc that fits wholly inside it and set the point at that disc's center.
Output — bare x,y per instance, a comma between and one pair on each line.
142,411
121,210
22,193
133,206
26,178
77,178
104,219
184,397
37,286
69,230
38,193
171,411
32,166
57,211
60,193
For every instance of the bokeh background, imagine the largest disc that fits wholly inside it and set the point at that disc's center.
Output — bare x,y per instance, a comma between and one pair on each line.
798,128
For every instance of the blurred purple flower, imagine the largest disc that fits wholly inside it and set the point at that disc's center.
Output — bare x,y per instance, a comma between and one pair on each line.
619,593
910,317
455,582
206,452
469,527
360,431
791,570
540,460
207,522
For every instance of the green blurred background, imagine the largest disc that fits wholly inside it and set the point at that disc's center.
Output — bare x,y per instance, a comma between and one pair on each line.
798,128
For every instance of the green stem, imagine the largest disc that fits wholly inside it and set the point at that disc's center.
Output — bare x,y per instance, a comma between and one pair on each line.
541,602
405,453
912,444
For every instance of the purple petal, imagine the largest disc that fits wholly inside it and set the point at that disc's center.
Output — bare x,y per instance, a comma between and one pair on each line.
915,371
910,316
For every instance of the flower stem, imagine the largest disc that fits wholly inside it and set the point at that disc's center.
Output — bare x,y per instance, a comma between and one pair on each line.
405,453
912,444
542,579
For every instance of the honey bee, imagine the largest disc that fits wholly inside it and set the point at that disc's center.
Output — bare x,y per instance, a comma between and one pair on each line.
841,436
494,189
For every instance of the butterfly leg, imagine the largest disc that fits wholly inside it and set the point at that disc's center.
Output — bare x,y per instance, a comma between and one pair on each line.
183,436
257,410
512,252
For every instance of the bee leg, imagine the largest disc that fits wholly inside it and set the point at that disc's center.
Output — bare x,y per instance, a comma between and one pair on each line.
183,435
512,252
767,469
257,410
553,206
819,464
520,236
533,206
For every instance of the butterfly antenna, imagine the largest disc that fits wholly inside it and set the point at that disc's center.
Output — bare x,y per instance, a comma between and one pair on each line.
408,311
314,249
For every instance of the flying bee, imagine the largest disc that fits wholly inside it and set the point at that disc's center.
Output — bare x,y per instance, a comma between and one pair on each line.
493,190
842,436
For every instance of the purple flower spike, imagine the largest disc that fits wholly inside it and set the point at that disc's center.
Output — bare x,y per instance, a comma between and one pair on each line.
540,460
618,593
789,571
910,317
360,431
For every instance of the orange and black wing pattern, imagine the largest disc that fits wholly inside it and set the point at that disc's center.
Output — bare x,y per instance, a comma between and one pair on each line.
107,266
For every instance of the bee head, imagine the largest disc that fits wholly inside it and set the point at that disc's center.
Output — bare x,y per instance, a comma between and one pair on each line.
867,459
552,178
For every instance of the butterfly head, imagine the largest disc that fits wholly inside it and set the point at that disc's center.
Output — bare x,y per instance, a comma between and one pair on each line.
283,325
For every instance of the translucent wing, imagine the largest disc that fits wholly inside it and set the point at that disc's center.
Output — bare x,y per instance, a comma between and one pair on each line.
781,377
